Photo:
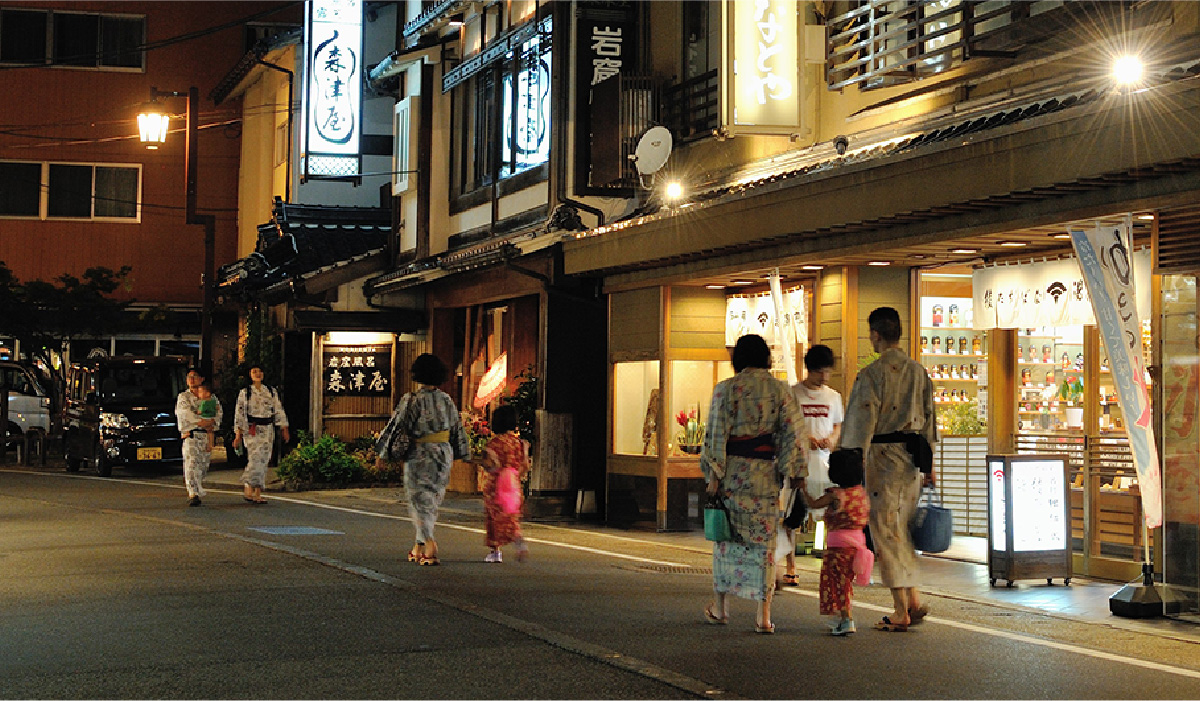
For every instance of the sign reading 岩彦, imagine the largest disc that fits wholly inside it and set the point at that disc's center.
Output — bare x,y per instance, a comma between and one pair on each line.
332,87
1107,263
356,371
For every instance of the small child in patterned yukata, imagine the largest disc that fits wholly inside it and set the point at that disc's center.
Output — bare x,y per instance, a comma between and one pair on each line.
847,557
506,457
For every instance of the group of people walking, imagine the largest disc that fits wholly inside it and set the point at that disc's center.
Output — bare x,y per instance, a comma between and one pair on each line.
256,416
767,443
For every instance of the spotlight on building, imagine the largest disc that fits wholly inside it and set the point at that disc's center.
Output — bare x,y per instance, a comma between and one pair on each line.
1128,71
674,191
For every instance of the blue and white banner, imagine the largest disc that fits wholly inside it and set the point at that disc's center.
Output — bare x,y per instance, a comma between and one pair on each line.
1106,259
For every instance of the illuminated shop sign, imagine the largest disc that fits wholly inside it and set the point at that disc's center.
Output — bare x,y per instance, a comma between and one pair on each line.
531,142
357,371
765,88
332,92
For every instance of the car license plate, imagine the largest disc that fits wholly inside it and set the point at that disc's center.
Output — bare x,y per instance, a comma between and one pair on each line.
149,453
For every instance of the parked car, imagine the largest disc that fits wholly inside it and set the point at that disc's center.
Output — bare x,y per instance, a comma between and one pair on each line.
28,400
120,410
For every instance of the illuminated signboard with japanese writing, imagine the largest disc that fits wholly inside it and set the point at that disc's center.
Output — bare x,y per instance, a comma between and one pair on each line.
357,371
765,87
333,92
530,144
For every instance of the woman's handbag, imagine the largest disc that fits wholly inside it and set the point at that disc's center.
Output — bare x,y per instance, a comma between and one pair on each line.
932,526
717,527
799,510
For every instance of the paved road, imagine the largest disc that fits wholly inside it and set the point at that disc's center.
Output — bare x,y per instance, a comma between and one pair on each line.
113,588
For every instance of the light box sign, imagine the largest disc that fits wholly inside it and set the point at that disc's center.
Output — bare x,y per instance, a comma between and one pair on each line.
764,54
357,371
333,89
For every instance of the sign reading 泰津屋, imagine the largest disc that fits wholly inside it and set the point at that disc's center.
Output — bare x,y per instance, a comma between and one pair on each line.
356,371
1106,259
765,80
332,87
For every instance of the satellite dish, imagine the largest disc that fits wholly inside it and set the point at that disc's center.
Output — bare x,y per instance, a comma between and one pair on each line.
652,150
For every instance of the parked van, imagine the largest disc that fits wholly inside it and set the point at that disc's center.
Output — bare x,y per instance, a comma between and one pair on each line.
28,400
121,410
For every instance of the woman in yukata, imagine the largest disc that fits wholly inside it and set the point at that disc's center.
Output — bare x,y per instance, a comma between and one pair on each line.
750,449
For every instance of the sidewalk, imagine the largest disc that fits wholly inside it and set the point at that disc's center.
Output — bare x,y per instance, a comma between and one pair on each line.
959,573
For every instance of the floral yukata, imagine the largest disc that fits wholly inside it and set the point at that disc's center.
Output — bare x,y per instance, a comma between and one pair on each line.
751,403
509,453
892,394
422,414
850,513
196,456
256,415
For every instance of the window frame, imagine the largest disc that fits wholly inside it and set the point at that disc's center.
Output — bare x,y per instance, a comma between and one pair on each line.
476,151
44,193
49,53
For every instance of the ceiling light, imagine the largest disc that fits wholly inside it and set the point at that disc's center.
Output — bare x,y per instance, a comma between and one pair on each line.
879,263
714,287
1060,235
1146,217
674,190
812,267
1014,244
743,282
964,250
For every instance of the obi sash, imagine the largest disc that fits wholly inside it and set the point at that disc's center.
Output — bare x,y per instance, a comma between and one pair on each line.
864,559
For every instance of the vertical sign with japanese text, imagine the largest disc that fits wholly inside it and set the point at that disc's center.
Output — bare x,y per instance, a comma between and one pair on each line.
607,41
356,371
332,89
765,89
1106,258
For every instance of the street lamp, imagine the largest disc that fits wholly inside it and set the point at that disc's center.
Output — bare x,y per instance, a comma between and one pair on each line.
152,129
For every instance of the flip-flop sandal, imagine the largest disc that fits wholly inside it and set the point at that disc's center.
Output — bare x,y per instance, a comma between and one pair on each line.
414,556
430,561
713,618
768,629
886,625
791,580
917,615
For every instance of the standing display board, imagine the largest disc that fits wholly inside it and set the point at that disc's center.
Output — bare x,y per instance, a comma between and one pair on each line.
1028,518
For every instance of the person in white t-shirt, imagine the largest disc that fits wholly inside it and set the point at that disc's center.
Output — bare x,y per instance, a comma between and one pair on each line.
821,407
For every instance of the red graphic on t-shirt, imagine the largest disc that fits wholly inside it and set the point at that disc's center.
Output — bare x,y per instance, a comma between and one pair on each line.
815,411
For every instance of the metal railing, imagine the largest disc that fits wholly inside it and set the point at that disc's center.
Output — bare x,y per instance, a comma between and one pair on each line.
885,42
690,108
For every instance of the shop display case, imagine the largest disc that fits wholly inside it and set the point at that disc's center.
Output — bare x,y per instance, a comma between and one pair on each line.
954,355
1050,379
1029,514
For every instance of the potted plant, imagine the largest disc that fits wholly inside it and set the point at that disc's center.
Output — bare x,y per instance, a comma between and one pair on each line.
691,438
1071,391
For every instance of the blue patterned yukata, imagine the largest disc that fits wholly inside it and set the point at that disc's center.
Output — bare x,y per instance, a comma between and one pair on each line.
751,403
421,414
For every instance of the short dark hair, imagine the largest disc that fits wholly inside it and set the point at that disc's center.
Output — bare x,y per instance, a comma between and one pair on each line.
751,351
818,357
885,321
846,467
504,419
428,369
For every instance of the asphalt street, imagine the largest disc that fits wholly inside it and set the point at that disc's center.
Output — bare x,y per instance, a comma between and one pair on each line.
114,588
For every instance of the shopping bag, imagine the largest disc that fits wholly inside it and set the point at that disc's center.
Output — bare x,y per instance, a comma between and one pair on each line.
933,524
716,520
508,491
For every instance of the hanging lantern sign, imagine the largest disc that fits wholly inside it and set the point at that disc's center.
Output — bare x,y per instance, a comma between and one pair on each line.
493,382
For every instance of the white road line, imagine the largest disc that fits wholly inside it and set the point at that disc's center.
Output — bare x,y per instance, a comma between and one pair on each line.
1017,637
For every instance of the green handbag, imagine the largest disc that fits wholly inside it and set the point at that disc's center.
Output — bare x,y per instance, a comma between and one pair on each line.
716,520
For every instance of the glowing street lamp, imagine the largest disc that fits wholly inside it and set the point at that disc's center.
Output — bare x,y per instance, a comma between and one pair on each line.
674,191
152,130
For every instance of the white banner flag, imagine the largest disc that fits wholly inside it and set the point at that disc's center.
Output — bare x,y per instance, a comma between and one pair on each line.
1106,259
